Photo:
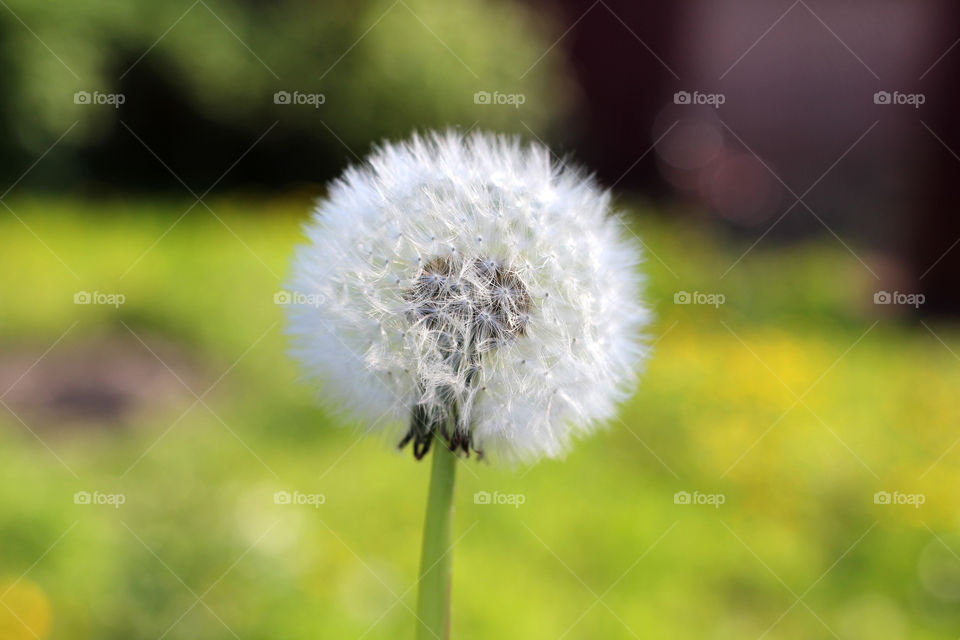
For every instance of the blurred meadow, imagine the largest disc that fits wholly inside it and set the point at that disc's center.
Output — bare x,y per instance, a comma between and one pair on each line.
787,468
789,400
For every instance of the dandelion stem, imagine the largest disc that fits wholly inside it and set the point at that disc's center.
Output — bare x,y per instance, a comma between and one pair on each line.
433,598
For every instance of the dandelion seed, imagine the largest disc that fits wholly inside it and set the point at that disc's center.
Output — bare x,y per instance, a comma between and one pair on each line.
493,257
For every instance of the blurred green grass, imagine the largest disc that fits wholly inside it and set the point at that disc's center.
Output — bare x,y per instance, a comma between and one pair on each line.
599,548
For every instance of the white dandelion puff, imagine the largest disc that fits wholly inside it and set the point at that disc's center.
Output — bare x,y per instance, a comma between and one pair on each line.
473,290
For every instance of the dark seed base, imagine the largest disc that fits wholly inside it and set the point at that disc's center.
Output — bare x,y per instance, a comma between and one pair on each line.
423,429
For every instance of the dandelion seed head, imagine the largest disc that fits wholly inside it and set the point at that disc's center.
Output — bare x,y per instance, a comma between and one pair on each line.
471,280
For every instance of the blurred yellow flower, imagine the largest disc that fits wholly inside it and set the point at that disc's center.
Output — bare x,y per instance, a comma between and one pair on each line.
26,612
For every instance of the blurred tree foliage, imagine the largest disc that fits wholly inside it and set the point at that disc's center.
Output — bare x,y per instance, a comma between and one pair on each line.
187,69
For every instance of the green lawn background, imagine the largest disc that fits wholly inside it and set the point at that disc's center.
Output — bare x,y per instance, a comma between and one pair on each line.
797,400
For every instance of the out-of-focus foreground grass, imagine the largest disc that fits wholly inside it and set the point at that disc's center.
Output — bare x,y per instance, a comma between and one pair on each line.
794,402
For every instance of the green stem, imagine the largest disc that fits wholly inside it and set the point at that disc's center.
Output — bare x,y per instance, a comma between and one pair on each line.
433,599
